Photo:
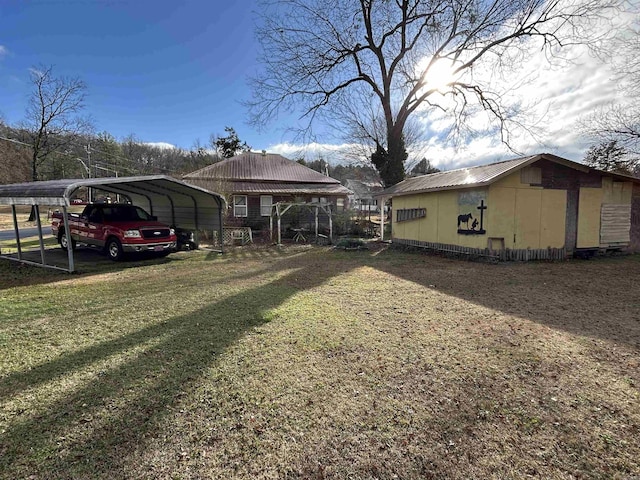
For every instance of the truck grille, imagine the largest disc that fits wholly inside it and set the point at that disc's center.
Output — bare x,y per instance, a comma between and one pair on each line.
155,233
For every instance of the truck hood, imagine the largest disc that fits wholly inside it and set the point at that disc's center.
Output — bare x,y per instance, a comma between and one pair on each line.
136,225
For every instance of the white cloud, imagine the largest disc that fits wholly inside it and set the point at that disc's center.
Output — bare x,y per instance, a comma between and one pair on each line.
552,99
3,51
332,153
161,145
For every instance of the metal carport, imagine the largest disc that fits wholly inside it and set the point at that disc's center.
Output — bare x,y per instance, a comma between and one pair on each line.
172,201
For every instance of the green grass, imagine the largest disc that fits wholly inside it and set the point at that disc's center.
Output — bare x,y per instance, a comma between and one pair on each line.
312,363
29,243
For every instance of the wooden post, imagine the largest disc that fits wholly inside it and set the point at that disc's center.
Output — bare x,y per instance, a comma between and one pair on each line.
316,224
330,225
382,215
279,225
271,225
220,225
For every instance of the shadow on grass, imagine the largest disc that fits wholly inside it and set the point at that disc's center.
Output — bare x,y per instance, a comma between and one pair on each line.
88,261
90,431
596,298
91,261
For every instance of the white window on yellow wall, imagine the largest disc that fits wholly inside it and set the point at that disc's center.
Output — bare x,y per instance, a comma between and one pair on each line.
239,205
265,205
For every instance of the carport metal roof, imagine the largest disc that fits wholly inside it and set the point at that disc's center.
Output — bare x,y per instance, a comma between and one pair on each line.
172,201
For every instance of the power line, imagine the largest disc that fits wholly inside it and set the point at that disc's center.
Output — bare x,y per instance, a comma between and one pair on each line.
16,141
93,150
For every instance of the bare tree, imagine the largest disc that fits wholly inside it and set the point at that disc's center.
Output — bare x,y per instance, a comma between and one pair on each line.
52,116
612,157
619,122
369,66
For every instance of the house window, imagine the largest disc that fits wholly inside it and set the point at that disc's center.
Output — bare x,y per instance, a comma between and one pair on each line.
314,199
239,205
265,205
340,204
406,214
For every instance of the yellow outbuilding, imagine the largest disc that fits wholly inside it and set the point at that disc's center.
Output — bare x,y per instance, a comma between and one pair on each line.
536,207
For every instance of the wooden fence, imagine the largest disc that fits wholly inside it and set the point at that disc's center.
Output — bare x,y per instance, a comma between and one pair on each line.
234,235
498,255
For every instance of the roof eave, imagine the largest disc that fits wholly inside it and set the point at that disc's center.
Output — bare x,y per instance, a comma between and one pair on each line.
429,190
534,158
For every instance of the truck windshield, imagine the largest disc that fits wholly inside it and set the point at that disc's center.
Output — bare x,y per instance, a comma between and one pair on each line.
125,213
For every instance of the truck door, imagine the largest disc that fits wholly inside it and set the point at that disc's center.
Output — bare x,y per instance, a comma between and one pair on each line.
92,226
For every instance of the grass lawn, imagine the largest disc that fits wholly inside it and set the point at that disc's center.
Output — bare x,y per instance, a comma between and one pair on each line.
22,215
311,363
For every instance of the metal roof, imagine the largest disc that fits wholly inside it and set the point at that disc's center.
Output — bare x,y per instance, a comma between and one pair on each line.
275,188
251,166
362,189
172,201
59,192
472,176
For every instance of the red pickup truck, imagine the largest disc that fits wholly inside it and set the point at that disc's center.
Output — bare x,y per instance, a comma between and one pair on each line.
117,228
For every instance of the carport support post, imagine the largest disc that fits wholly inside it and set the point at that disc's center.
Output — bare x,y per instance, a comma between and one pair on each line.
37,211
15,227
67,232
330,224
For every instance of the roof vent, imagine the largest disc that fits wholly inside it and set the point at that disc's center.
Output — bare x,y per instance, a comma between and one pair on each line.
264,153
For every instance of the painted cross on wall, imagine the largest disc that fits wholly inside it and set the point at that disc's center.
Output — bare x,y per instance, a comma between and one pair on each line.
471,208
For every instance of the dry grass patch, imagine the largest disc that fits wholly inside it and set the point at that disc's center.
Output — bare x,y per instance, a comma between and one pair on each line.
309,363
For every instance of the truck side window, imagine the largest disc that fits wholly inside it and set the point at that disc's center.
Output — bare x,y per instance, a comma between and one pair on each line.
95,215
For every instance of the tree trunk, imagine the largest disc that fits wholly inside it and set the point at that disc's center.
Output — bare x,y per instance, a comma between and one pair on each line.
390,162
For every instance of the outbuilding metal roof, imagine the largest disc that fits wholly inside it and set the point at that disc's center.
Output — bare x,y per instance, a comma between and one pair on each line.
258,167
471,176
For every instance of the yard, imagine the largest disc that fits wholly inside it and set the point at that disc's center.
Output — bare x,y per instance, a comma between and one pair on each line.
305,362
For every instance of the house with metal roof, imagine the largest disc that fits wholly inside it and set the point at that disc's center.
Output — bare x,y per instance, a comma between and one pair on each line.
253,182
536,207
362,198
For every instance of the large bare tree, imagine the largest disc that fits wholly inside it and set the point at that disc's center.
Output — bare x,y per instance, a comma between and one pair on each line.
369,66
619,123
53,115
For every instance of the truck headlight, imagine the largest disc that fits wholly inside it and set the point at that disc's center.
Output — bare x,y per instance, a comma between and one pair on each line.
172,231
132,234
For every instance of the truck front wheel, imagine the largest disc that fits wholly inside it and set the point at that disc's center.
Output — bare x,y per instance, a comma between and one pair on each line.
62,239
114,249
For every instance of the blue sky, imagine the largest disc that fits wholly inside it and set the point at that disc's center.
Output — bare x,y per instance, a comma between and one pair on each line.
175,71
167,71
